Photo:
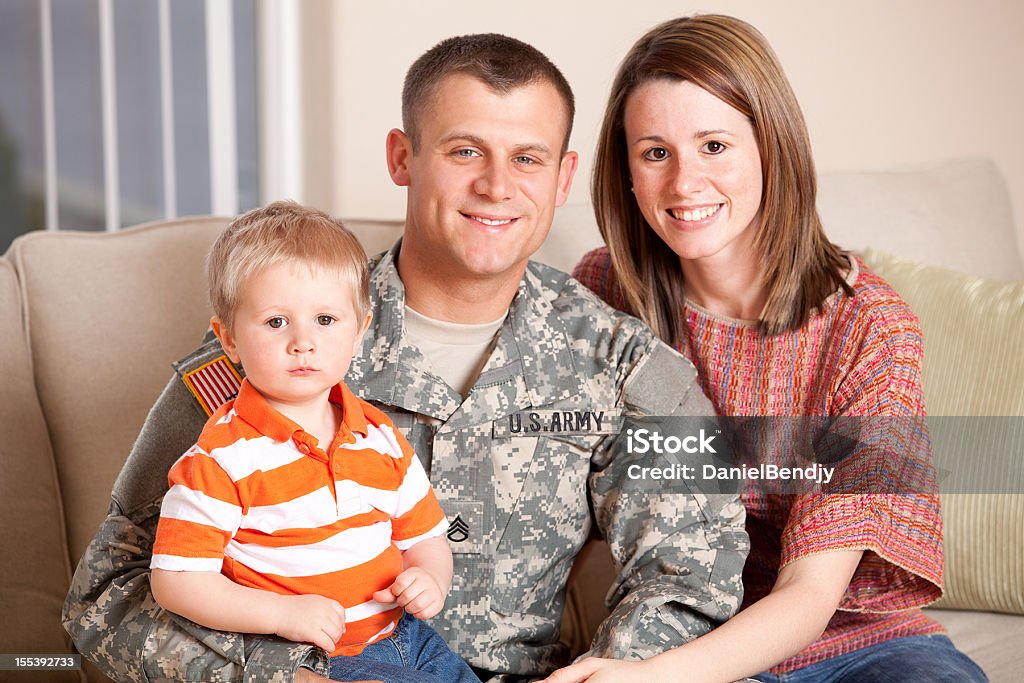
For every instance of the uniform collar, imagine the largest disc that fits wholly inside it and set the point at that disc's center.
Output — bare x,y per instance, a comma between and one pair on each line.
532,364
538,330
253,408
390,370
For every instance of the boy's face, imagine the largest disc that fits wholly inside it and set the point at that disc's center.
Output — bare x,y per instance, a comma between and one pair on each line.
295,332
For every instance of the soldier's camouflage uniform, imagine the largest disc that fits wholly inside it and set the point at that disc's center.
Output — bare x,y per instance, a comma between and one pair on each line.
524,501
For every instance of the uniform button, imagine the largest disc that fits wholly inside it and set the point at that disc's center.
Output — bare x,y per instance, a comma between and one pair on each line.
304,449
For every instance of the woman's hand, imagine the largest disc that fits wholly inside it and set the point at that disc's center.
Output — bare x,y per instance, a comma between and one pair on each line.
307,676
597,670
774,628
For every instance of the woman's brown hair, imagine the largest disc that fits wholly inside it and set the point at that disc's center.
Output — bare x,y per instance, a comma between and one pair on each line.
731,60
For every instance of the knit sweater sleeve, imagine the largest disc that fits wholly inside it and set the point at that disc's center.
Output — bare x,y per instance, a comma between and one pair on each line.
884,499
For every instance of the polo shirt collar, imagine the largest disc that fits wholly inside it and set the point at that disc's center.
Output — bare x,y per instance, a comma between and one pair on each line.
252,407
353,419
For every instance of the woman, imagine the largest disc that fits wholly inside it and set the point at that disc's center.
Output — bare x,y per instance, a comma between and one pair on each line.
704,190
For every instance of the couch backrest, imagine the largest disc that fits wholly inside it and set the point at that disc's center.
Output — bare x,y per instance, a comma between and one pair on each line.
106,315
375,236
34,569
956,214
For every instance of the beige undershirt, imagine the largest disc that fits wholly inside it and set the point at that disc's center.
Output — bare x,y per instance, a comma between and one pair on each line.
455,352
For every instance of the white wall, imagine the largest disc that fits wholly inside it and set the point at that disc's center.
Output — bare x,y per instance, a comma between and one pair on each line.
882,83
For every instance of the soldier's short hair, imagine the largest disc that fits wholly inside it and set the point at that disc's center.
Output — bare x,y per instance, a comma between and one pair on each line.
500,62
284,232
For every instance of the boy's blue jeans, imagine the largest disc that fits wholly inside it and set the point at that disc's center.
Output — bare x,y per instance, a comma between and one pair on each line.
414,653
914,659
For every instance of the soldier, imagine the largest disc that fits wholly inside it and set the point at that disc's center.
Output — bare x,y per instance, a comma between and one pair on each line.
510,381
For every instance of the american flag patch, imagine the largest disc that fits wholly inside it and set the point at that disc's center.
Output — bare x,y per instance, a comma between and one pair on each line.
214,383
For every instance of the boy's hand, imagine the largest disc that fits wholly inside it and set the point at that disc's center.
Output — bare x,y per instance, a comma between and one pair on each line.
415,590
310,619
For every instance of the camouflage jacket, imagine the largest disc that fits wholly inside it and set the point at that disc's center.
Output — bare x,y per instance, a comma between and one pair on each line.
523,467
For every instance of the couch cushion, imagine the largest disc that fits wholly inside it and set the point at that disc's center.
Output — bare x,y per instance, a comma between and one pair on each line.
34,571
107,313
954,213
973,336
992,640
973,366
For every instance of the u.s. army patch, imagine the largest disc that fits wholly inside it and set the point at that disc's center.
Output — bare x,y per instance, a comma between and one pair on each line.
556,422
213,383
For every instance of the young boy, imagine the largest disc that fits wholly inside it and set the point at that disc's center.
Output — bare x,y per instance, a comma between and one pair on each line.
301,510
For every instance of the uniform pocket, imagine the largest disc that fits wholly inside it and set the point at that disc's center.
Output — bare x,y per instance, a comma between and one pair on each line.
547,527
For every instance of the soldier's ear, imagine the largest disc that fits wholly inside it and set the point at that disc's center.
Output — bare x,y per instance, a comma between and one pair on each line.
399,152
566,171
227,340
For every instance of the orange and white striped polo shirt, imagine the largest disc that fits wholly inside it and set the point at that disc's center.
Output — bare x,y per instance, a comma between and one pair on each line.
257,499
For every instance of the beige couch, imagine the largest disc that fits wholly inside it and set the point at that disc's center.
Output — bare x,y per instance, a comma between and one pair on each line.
89,324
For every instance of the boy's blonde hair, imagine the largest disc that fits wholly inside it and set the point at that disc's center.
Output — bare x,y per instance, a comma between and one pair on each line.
283,232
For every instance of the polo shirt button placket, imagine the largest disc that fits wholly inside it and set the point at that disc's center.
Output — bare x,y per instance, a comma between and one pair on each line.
333,465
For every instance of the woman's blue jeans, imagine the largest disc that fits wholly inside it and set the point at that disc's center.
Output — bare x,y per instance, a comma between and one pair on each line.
914,659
